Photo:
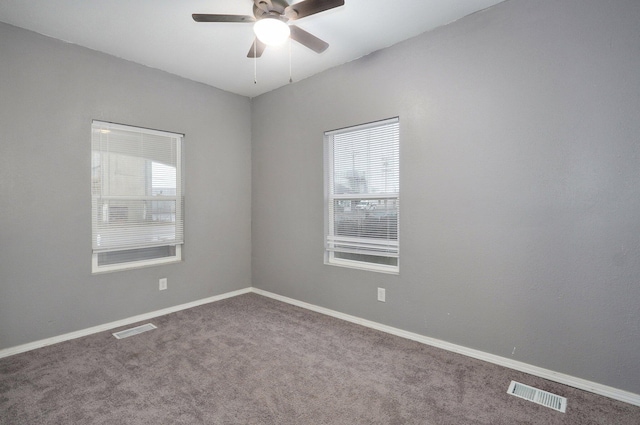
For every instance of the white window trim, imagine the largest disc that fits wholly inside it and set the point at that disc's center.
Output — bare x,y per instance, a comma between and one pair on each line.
95,268
361,265
329,257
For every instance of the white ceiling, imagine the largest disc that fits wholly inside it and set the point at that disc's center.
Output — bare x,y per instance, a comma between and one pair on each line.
161,34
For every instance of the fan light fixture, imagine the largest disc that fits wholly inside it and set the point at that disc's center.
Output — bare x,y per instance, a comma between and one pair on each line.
274,22
271,31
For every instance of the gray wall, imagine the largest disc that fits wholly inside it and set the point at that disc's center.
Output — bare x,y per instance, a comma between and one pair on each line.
49,93
520,189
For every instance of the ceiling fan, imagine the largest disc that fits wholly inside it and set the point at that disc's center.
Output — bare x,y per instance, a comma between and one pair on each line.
271,26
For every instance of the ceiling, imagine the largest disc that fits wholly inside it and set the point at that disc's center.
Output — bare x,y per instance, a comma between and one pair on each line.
161,34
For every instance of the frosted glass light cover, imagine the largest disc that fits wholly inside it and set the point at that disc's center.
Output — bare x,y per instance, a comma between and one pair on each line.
271,31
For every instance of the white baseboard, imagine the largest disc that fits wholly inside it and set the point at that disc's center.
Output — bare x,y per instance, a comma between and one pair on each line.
112,325
561,378
572,381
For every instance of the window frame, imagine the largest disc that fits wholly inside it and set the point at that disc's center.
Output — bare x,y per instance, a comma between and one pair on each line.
96,268
178,198
330,197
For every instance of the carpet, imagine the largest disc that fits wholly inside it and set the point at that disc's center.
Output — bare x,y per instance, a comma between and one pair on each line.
254,360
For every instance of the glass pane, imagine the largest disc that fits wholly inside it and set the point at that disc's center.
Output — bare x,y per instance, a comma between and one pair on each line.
369,218
133,222
163,179
387,261
366,161
118,257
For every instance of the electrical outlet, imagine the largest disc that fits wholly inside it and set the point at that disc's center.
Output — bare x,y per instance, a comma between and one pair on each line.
163,284
381,294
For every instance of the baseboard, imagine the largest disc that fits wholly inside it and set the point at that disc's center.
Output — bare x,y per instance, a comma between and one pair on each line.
112,325
561,378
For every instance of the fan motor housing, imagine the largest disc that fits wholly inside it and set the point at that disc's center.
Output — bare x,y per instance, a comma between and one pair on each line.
269,7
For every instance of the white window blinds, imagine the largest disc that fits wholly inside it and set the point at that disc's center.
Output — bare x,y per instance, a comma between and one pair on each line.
363,187
136,189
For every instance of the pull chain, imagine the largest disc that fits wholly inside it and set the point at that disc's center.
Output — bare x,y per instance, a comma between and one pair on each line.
255,61
290,78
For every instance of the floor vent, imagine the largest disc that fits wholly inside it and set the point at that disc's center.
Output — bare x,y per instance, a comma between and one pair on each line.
134,331
535,395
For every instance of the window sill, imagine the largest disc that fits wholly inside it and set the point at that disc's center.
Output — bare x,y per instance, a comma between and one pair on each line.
96,269
378,268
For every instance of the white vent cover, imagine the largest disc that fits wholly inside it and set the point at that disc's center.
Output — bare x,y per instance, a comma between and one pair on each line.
535,395
134,331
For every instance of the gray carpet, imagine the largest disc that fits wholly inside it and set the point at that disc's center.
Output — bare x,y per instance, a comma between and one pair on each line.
253,360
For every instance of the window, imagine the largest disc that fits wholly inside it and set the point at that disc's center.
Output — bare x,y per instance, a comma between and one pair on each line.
362,187
136,194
